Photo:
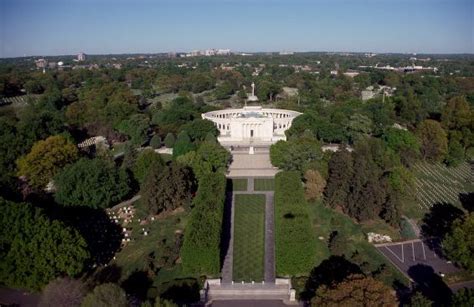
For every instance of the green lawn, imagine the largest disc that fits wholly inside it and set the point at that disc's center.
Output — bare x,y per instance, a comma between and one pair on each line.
264,184
239,184
249,237
161,238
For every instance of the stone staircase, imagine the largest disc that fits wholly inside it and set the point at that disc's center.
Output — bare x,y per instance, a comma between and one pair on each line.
280,290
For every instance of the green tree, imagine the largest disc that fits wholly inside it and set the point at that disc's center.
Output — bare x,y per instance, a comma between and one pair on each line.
459,242
34,249
433,139
340,172
455,152
209,158
199,128
147,160
295,154
464,298
167,189
155,141
92,183
169,140
136,127
46,159
419,300
404,143
106,295
183,144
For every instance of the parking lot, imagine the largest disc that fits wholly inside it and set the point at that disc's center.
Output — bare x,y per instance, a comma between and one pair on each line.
405,255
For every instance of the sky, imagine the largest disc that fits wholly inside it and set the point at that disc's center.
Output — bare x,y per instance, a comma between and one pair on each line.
58,27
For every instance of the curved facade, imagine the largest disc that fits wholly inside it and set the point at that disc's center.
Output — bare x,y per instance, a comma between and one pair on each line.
251,125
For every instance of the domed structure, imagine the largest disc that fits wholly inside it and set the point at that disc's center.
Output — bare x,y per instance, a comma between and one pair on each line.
251,125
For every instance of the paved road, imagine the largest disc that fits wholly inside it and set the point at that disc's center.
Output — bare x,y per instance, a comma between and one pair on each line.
18,297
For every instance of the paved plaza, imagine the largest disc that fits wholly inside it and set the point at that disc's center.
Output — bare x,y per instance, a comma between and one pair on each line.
251,165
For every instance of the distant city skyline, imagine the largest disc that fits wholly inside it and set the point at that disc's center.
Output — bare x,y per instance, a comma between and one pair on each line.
68,27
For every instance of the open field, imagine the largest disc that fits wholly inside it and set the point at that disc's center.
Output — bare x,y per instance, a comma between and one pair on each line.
264,184
249,237
437,183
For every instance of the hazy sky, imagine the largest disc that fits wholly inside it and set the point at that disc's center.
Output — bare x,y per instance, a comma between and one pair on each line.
52,27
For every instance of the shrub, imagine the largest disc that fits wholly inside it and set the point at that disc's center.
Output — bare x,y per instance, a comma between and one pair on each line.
169,140
155,141
294,240
202,237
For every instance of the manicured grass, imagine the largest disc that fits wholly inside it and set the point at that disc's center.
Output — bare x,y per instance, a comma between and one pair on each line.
325,220
264,184
437,183
249,237
239,184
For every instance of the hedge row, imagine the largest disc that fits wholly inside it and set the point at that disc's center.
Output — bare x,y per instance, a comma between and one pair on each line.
295,248
201,248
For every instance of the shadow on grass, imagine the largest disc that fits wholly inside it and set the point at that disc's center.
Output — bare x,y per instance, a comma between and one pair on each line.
430,284
226,224
467,201
437,222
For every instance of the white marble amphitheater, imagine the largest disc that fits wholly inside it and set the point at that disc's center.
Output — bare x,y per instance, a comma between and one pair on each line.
251,125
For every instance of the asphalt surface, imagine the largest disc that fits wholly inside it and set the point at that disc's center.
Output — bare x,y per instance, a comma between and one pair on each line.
406,255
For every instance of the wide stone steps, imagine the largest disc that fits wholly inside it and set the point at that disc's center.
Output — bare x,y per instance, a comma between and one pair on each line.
248,291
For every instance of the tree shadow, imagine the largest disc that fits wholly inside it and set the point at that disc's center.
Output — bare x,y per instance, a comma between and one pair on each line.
181,291
430,284
107,274
226,224
467,201
103,236
438,221
331,271
137,285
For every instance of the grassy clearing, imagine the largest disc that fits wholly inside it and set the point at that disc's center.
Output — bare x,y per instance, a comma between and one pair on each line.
325,220
437,183
264,184
158,245
249,237
239,184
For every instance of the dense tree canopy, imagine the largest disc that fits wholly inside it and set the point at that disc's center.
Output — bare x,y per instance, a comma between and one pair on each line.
356,290
295,154
93,183
167,189
459,242
433,139
34,249
147,160
106,295
46,159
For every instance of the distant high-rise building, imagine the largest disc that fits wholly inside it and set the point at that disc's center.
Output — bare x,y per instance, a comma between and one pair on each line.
81,57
